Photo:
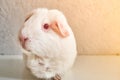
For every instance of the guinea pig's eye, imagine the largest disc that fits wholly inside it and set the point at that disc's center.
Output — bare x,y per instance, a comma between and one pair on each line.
46,26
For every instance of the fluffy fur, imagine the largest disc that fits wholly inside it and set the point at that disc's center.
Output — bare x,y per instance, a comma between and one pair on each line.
47,53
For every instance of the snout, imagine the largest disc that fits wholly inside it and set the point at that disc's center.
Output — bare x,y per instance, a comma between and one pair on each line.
23,40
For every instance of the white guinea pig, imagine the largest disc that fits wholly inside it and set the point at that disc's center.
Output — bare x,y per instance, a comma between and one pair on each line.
48,43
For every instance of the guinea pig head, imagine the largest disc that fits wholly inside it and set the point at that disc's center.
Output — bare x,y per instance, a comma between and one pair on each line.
39,26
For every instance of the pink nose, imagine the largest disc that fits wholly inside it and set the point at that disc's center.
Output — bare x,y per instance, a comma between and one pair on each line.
23,40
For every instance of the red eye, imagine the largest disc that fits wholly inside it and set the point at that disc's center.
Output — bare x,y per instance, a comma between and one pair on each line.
46,26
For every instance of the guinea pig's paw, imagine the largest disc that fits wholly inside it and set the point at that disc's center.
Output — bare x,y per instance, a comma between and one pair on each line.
57,77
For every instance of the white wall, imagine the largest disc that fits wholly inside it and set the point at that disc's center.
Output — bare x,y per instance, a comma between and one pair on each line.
96,23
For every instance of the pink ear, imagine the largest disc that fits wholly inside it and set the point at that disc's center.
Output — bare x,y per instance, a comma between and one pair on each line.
59,29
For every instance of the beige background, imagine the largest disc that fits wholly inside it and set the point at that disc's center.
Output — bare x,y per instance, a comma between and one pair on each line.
95,23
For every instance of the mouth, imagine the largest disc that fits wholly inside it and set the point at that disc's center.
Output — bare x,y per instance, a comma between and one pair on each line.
25,47
23,44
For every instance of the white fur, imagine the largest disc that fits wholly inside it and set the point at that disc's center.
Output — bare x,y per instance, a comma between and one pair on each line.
56,53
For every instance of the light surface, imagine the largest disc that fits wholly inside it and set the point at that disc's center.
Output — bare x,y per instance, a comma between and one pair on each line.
85,68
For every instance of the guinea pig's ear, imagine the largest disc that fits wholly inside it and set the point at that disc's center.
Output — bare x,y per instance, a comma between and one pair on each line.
29,15
59,29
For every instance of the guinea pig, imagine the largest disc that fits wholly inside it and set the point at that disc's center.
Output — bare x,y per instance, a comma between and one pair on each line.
48,43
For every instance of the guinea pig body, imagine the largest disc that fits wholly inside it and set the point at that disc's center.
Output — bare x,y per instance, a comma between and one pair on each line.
48,43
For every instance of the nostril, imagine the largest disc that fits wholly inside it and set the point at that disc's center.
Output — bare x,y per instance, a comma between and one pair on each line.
25,39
